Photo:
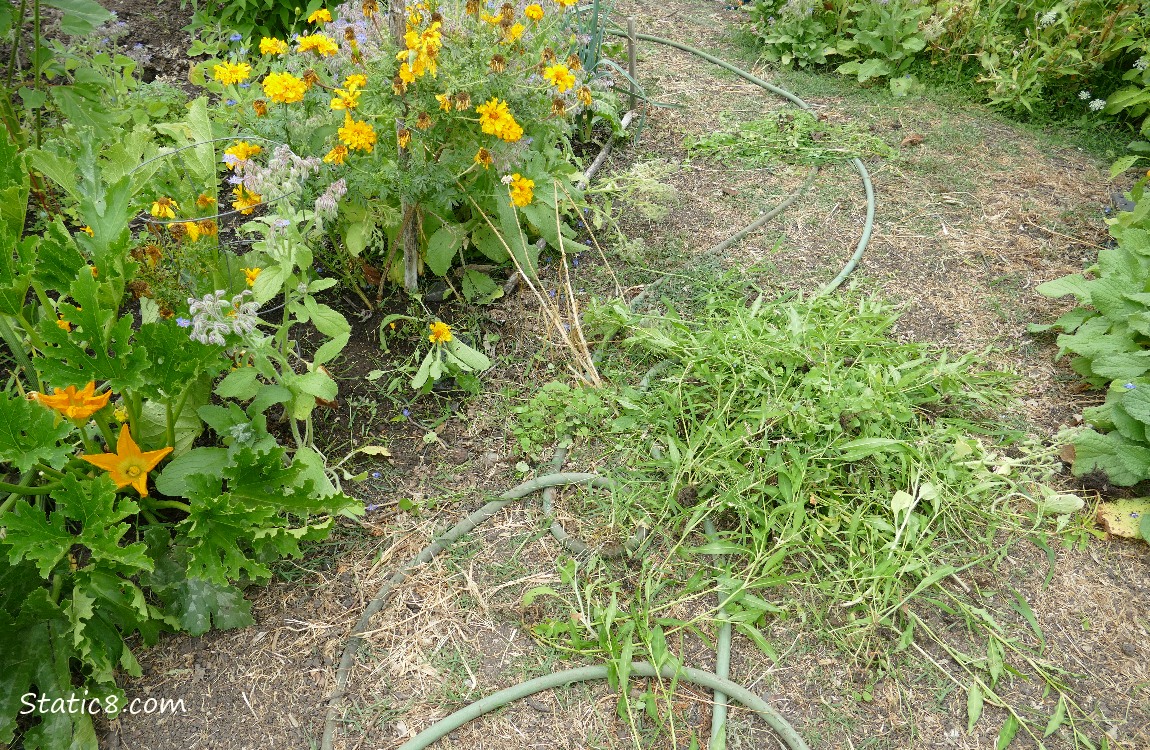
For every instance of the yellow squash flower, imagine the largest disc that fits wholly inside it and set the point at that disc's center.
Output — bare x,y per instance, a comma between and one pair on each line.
336,155
440,333
320,16
284,88
75,404
357,134
64,325
164,208
230,73
251,274
128,465
522,190
560,77
273,46
534,12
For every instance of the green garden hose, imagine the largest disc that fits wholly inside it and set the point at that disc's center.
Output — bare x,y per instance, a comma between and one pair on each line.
723,687
582,674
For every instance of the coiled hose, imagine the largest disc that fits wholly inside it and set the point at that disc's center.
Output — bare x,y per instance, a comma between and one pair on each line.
723,687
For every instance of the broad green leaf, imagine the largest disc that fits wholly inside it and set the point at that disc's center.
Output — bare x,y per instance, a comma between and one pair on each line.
470,359
1122,164
1125,366
479,288
30,535
199,605
1123,462
205,462
443,246
80,17
1136,402
490,244
31,433
98,510
1075,284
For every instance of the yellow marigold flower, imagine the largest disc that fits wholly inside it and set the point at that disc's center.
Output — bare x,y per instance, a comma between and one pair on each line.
230,73
208,227
420,54
423,121
284,88
336,155
128,465
242,151
358,135
64,325
404,137
270,45
495,119
444,102
483,156
356,80
583,94
261,107
75,404
512,34
440,333
321,44
87,230
565,3
251,274
245,200
490,19
346,98
164,208
370,8
522,190
193,230
534,12
320,16
560,77
203,200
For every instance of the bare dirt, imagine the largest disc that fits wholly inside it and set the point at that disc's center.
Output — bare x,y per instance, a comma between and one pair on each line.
967,226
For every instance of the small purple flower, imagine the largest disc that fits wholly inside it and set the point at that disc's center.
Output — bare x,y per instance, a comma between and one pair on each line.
235,37
407,412
183,322
370,508
1129,386
245,85
376,475
236,179
575,261
230,102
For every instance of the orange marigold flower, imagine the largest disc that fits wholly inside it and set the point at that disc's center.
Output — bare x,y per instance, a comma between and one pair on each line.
72,403
128,465
261,107
357,134
203,200
283,88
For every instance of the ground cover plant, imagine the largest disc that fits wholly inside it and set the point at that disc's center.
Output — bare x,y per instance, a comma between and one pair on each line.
871,496
1026,57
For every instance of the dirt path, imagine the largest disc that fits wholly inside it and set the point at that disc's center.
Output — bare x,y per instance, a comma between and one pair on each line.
969,221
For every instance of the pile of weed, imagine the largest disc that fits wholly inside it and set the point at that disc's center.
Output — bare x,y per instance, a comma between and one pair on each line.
790,136
829,455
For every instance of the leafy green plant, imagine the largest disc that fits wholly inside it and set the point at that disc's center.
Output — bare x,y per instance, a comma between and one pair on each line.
1108,334
794,136
95,548
885,36
795,31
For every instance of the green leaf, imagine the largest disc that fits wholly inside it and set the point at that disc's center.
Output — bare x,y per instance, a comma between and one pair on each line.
1121,165
175,361
443,246
1125,366
199,605
1057,718
1136,402
1123,462
1075,284
95,506
80,17
974,703
490,244
203,462
470,359
30,433
31,536
479,288
1007,733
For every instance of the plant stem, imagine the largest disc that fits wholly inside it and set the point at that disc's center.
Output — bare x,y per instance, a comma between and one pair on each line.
16,345
169,504
21,489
